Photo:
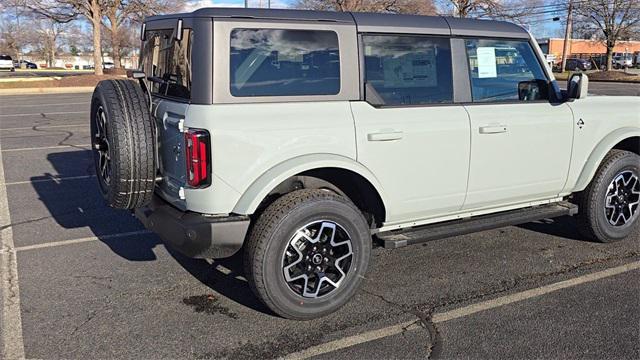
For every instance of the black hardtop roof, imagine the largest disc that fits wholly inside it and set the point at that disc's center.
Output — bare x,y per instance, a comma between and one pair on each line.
368,22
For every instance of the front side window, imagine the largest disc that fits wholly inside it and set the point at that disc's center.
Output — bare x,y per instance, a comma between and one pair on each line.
273,62
168,63
408,70
505,70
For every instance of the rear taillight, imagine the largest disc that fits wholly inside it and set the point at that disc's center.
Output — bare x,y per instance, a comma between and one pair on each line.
198,162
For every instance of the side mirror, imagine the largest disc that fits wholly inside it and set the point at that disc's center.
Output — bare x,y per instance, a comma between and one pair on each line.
577,86
533,90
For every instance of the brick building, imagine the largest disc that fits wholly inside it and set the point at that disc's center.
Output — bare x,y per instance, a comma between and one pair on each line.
585,49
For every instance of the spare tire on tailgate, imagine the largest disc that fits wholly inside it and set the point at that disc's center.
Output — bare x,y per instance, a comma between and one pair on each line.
122,141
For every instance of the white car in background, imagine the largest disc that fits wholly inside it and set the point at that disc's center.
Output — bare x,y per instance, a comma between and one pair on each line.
621,61
6,63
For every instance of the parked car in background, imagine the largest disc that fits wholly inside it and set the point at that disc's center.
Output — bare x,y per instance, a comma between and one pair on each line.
27,64
622,61
88,67
6,63
636,59
577,65
108,65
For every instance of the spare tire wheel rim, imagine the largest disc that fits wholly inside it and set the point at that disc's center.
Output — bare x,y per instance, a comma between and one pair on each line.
101,146
623,198
317,259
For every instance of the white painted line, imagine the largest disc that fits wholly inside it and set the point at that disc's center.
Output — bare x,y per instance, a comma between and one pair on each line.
86,146
47,113
11,319
45,127
56,179
39,105
459,313
81,240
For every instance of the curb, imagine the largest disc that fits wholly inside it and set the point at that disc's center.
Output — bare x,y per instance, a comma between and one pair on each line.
53,90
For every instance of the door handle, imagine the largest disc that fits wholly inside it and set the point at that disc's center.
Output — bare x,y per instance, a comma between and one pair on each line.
385,136
493,129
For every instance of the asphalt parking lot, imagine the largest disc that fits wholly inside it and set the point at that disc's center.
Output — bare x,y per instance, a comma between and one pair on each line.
87,281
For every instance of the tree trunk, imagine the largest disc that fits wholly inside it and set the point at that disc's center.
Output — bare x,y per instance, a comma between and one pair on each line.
115,42
609,56
96,21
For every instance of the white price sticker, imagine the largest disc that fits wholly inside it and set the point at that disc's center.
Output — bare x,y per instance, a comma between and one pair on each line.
487,62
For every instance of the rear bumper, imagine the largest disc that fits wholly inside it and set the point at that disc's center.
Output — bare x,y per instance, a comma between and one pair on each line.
193,234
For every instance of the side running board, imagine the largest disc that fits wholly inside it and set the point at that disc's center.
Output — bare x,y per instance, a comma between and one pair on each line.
399,238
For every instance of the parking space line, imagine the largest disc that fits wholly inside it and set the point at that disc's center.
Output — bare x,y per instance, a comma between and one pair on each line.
47,113
81,240
44,127
53,104
11,319
460,312
56,179
84,146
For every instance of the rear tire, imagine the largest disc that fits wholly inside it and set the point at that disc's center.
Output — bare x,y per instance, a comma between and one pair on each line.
123,144
606,207
310,233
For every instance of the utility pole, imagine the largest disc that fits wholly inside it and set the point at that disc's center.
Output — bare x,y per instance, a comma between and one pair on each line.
567,35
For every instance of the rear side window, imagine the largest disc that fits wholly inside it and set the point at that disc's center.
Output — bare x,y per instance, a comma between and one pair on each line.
272,62
505,70
5,57
408,70
168,63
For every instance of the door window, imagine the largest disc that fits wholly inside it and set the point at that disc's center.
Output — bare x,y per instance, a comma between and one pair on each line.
168,63
407,70
505,70
273,62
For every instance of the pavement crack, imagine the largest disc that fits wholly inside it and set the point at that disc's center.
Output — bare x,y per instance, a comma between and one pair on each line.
425,321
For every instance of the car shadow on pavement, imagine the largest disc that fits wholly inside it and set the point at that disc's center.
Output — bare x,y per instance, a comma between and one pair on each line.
564,227
224,276
77,203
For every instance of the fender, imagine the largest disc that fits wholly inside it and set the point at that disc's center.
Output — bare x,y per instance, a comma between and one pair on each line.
599,152
265,183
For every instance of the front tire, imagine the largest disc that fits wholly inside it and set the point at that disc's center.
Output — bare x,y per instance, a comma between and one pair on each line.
307,254
610,205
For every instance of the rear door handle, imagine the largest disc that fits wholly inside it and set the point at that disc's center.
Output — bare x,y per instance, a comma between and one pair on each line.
493,129
385,136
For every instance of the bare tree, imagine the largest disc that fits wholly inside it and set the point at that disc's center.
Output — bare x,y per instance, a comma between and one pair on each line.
67,10
122,13
44,37
517,10
419,7
614,20
13,15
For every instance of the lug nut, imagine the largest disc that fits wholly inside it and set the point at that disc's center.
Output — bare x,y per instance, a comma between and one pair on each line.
318,268
326,260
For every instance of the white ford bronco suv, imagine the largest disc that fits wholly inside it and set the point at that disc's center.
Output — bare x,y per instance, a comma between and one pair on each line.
301,137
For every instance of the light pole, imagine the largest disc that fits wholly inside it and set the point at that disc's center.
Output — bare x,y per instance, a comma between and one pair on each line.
567,36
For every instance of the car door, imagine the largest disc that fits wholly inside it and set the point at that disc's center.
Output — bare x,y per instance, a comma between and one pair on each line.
409,132
520,140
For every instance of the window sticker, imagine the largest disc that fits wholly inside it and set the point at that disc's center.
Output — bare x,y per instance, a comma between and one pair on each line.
487,62
415,70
